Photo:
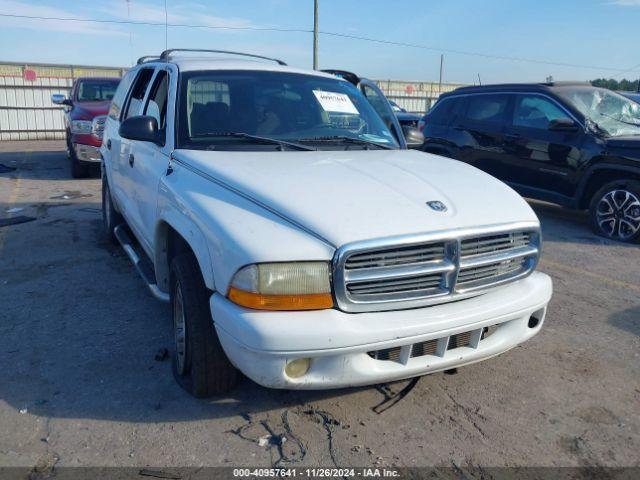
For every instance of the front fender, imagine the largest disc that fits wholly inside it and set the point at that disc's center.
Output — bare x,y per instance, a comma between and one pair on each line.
228,231
169,216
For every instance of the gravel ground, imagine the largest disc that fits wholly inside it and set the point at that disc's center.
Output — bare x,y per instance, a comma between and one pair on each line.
79,385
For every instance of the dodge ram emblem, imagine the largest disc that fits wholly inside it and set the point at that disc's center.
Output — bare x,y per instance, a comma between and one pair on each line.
437,205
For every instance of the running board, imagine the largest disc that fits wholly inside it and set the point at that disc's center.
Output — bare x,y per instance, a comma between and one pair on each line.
143,267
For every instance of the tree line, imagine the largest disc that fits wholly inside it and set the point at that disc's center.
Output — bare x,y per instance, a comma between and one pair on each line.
613,84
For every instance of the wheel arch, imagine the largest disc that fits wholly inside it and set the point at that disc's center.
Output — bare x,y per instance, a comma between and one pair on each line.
600,175
175,236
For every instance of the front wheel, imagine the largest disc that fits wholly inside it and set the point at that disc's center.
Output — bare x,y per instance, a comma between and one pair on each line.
200,365
615,211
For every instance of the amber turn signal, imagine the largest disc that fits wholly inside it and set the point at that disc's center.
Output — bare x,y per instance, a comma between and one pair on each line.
258,301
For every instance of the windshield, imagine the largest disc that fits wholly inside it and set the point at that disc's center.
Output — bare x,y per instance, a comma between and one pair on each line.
324,113
612,113
96,90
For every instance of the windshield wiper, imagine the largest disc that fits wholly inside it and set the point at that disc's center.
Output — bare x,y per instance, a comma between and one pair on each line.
620,120
267,140
344,138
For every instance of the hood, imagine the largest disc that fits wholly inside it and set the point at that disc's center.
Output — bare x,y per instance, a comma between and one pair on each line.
355,195
88,110
629,141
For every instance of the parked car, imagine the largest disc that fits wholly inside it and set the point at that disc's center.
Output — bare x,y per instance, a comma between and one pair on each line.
404,117
301,249
88,105
635,96
572,144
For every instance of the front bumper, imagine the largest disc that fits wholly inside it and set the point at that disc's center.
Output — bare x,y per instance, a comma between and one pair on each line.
340,345
87,153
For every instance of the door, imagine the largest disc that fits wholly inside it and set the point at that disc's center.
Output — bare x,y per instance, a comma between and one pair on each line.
539,158
122,164
480,131
382,106
150,160
111,135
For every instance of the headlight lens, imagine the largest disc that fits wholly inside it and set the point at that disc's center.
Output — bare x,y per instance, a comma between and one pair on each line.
283,286
81,126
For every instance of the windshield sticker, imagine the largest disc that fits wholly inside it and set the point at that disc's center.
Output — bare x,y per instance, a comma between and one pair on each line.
335,102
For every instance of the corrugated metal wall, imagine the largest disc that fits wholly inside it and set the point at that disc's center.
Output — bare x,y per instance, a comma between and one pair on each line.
26,110
416,97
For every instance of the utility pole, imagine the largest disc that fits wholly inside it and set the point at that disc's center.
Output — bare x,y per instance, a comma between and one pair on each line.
441,67
315,34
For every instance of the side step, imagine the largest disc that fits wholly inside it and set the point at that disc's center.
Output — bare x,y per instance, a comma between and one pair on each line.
143,266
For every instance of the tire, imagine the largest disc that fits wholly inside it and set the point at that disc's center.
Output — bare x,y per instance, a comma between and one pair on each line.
78,169
614,211
110,217
199,363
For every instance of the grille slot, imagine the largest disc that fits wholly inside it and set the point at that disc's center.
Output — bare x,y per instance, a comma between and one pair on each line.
459,340
410,255
491,271
387,354
424,282
378,276
421,349
493,243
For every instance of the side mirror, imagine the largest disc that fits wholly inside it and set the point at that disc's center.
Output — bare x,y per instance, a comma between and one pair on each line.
563,125
142,128
60,99
413,137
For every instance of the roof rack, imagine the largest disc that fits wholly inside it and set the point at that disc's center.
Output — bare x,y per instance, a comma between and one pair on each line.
166,55
147,58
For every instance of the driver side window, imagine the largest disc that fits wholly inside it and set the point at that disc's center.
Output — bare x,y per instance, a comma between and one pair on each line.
534,111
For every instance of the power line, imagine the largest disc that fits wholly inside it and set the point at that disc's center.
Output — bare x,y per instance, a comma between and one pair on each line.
331,34
634,69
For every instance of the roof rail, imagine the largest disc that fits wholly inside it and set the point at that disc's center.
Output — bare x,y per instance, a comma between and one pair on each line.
147,58
166,55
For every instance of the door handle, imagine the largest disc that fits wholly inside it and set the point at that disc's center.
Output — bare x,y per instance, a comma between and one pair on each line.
512,136
109,144
132,159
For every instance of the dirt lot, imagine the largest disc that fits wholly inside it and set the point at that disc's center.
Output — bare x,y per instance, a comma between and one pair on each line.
79,384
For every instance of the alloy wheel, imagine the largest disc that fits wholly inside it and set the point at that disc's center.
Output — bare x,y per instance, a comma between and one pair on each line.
618,214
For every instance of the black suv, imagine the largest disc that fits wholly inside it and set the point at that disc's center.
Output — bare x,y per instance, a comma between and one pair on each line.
571,144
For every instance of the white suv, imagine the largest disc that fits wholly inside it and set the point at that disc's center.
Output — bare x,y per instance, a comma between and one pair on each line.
296,237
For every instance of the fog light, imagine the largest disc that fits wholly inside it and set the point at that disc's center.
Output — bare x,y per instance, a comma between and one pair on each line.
297,368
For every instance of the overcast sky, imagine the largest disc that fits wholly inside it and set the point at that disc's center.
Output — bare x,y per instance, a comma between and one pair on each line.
599,37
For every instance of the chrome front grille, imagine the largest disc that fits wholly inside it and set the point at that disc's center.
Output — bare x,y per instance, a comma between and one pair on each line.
418,271
97,127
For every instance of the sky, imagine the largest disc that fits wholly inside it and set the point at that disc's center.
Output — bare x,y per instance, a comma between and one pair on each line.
494,40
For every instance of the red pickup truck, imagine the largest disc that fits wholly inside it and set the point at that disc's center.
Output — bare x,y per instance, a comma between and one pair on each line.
85,114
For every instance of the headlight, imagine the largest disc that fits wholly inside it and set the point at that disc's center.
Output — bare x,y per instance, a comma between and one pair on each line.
282,286
81,126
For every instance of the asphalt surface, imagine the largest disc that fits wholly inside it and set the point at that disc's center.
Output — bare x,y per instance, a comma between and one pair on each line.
80,385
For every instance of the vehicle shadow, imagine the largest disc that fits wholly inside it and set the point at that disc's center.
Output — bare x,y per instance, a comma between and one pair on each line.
627,320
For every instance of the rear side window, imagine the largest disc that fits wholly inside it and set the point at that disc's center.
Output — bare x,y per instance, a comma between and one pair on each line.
120,95
490,109
137,94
